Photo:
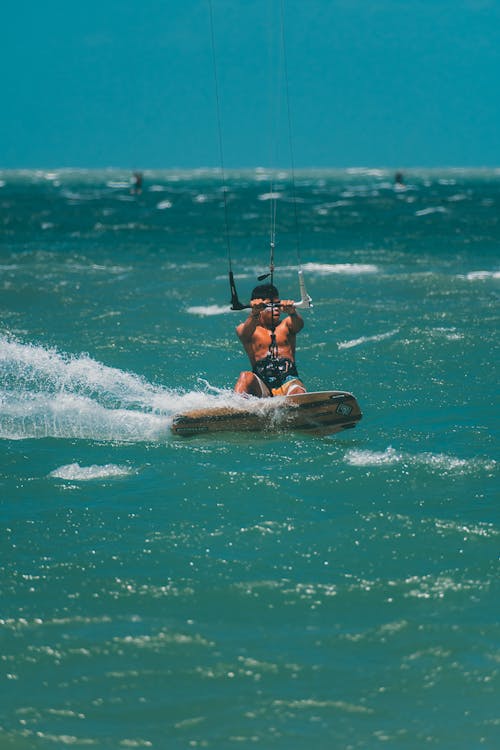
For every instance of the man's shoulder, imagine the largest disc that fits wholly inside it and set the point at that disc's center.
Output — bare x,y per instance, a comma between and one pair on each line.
246,335
287,324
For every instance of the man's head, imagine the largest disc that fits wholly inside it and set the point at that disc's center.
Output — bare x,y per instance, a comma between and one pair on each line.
265,291
268,293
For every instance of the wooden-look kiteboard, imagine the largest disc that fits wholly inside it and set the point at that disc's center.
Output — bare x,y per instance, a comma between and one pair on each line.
319,413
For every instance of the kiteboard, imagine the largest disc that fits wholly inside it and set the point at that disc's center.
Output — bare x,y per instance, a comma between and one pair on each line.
318,413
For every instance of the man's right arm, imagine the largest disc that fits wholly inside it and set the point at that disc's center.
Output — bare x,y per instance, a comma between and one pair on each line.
246,329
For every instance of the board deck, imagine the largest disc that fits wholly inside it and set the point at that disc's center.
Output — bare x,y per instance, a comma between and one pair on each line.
319,413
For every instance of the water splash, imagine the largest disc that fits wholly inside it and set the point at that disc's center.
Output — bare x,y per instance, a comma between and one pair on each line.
46,393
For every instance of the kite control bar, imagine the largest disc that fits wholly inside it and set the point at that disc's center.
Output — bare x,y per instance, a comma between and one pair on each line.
304,303
305,299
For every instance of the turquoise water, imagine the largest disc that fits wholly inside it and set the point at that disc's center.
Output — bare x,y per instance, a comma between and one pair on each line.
273,591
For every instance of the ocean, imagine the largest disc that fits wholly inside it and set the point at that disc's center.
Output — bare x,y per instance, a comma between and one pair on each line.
271,590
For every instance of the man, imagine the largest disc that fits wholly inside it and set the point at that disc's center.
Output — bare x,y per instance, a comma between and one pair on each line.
270,345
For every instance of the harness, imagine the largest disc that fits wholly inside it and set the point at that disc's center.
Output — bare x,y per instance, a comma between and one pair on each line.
274,371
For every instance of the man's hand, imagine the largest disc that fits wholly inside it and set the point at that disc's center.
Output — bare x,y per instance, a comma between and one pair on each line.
258,305
288,306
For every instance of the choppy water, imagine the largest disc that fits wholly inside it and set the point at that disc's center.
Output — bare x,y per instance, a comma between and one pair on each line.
276,591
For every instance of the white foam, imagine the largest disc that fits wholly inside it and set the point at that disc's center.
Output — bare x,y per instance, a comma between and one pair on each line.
431,210
40,415
457,198
270,196
435,461
324,269
357,457
35,368
324,208
117,184
480,275
85,473
366,339
366,171
209,310
162,205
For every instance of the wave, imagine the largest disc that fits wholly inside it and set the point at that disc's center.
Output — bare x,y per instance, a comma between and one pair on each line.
366,339
318,269
344,268
480,275
273,196
434,461
431,210
75,472
209,310
162,205
118,184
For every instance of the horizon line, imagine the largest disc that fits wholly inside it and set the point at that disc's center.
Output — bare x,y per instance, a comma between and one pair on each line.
256,168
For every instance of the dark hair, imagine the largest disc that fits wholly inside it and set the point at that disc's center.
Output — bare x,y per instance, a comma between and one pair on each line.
265,291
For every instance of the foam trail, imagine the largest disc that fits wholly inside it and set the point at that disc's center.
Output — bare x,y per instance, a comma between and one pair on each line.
26,367
48,394
40,415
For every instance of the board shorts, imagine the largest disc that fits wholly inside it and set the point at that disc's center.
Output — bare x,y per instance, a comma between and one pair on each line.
276,376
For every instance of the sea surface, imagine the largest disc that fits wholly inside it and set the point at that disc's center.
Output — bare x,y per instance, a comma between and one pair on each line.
273,590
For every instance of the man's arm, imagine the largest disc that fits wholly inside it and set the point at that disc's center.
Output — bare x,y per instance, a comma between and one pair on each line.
246,329
294,321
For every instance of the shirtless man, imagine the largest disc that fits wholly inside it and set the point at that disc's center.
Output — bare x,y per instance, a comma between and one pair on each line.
273,373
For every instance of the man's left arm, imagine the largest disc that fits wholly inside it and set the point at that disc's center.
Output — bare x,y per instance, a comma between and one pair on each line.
294,320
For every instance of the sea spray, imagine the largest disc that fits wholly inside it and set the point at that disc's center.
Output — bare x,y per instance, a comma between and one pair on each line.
46,393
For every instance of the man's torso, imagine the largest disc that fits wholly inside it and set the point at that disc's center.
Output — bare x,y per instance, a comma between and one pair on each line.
258,346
